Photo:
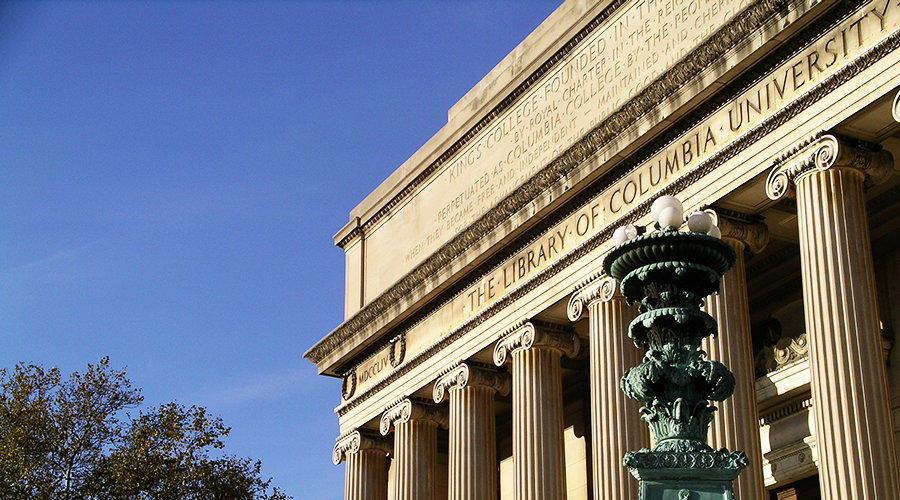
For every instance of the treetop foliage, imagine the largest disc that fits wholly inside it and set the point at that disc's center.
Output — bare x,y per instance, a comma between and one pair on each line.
73,439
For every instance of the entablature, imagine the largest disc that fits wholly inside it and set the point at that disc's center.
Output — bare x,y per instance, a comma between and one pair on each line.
609,153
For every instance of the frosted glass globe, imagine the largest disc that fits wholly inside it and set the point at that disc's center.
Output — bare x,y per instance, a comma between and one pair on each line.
661,204
630,231
715,232
619,236
670,217
700,222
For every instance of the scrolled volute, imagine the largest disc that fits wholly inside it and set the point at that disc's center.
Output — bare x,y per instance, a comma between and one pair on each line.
754,235
460,375
405,409
530,335
356,440
822,152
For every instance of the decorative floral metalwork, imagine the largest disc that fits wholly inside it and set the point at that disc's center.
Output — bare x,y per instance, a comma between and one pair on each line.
668,273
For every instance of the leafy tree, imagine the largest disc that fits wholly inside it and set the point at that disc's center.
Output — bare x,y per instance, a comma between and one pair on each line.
65,440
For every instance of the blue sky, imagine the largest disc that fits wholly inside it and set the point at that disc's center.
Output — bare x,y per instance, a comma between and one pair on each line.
172,173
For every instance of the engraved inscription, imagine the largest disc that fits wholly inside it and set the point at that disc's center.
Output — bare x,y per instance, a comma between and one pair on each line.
783,85
611,65
773,92
372,369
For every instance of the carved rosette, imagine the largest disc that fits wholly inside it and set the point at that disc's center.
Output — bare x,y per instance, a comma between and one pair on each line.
404,410
668,273
460,375
530,335
825,151
355,440
601,287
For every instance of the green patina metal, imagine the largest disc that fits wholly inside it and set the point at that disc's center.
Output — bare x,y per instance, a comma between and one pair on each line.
668,273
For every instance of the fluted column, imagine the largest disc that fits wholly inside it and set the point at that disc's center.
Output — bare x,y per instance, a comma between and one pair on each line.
616,426
539,465
474,473
415,447
847,373
365,475
735,425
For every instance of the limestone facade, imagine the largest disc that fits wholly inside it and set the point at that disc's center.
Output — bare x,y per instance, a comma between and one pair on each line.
482,347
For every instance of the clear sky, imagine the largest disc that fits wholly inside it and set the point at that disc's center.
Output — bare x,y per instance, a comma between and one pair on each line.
172,173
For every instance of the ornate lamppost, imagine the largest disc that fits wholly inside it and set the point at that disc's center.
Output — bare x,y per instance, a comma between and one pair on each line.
669,272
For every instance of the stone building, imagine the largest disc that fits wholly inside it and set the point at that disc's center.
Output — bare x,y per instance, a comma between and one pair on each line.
482,345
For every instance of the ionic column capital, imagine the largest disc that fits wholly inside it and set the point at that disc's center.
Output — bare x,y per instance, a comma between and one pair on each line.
404,410
598,287
530,335
825,151
753,235
460,375
356,440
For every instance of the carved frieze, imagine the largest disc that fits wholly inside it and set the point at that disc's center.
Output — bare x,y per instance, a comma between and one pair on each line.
842,75
373,368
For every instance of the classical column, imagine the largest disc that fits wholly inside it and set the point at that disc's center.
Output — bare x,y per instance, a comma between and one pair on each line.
735,425
615,419
539,466
474,472
415,447
365,475
847,373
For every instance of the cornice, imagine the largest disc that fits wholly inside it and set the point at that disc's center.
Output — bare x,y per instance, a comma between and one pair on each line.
668,84
755,134
485,121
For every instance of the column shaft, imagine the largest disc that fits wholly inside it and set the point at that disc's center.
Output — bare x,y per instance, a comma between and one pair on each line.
539,468
415,459
615,419
473,444
365,476
853,424
735,425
